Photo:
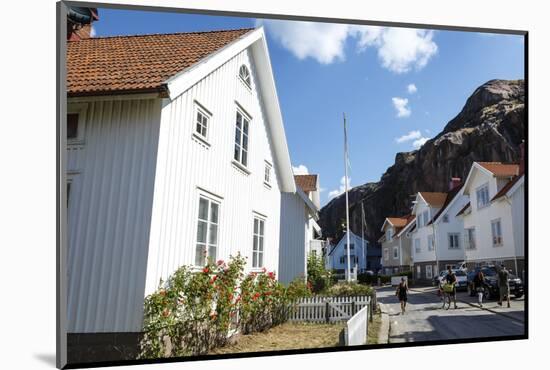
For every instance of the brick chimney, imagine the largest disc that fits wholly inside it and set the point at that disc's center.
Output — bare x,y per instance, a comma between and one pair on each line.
455,181
522,158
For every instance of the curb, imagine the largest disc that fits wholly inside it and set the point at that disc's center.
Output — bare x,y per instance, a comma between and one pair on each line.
384,334
477,306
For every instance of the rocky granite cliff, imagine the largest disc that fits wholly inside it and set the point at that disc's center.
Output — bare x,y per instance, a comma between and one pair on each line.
490,127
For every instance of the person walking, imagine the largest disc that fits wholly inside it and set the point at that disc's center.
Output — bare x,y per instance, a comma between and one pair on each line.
401,293
479,286
450,278
503,285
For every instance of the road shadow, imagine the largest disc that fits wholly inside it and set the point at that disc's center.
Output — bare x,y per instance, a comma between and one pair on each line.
46,358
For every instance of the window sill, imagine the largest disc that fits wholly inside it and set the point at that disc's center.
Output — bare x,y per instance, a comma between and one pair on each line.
201,139
239,166
75,142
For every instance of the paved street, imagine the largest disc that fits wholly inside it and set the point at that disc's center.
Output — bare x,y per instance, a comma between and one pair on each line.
425,320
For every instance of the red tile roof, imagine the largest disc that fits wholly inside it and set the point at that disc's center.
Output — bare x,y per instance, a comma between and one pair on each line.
500,169
140,63
398,221
306,182
434,199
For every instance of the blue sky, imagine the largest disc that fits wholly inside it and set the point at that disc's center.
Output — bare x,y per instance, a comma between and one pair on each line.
398,87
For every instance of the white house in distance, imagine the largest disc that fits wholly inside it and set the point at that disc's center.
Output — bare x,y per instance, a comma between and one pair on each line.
299,228
176,151
337,255
494,217
396,246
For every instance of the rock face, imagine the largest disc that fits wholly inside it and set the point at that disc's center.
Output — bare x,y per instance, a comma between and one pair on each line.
490,127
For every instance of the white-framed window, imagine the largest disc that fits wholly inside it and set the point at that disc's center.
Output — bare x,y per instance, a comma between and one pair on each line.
470,238
446,218
242,123
430,242
418,270
267,173
207,230
426,217
496,232
389,234
482,196
202,121
258,242
417,245
429,272
351,246
244,75
76,119
386,254
454,240
395,253
419,221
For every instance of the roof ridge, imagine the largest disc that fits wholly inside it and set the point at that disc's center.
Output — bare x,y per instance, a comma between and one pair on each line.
162,34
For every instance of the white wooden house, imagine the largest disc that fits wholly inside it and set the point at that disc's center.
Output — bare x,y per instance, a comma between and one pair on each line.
337,255
396,246
176,151
299,229
494,217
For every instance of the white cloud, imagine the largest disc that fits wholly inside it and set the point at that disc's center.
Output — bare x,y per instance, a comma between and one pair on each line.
323,42
300,170
400,105
341,189
419,142
408,137
399,49
411,88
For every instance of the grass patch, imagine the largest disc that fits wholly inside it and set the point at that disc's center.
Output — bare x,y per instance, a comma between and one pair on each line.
374,328
286,336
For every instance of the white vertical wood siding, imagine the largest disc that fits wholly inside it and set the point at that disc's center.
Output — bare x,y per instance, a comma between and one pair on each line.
185,165
518,220
422,233
456,226
112,175
481,219
292,258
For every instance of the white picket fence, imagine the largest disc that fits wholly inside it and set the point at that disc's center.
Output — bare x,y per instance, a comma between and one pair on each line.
322,309
355,331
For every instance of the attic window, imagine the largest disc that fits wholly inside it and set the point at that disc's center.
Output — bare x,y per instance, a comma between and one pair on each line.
72,126
244,74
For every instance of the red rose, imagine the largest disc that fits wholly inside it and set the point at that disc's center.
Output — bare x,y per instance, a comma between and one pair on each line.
271,275
205,270
264,269
214,278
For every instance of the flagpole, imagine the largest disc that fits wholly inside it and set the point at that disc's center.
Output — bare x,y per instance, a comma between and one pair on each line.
363,233
347,199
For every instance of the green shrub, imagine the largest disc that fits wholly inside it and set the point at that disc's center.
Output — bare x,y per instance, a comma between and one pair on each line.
349,289
318,277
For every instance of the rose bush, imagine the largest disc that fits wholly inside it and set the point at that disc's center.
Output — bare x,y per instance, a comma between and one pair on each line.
194,311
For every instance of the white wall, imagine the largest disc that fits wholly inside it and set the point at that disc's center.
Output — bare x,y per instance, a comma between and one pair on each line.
333,260
518,220
455,225
112,175
422,234
481,220
293,238
185,164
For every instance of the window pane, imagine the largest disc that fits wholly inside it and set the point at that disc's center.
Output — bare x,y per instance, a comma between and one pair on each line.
199,255
72,125
260,259
245,142
203,132
236,153
261,228
255,243
203,209
199,128
244,155
261,240
201,232
213,234
239,120
256,226
245,126
214,212
254,259
212,252
238,135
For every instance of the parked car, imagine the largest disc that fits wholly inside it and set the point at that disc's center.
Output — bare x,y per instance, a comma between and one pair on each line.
461,279
491,279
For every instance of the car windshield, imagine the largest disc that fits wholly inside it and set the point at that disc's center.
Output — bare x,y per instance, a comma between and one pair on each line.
488,272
